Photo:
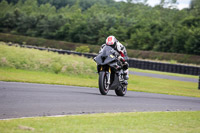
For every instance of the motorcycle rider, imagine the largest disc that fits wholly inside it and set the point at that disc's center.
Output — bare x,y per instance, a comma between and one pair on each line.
115,44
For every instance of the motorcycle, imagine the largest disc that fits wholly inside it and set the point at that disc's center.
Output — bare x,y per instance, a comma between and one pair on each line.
110,70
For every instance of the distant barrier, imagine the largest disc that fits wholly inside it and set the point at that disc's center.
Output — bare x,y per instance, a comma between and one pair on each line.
135,63
164,67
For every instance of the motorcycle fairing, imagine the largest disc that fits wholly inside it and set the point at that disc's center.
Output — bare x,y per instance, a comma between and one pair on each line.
106,56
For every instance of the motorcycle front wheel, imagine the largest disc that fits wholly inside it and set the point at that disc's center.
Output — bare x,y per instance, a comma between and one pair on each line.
103,86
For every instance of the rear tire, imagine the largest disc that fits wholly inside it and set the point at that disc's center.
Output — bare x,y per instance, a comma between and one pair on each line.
103,86
121,91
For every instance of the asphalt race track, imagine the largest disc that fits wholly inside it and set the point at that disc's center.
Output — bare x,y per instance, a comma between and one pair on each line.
29,100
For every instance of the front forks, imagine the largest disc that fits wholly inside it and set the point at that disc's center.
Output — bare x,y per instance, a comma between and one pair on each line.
108,73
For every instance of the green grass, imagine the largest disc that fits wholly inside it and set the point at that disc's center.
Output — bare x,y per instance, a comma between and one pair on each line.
31,59
138,122
136,83
163,86
163,73
18,75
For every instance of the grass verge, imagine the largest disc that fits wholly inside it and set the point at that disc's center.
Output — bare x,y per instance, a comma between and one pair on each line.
36,60
163,73
18,75
137,122
136,83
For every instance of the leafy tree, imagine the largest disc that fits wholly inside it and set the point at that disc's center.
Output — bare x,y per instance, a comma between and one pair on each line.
195,7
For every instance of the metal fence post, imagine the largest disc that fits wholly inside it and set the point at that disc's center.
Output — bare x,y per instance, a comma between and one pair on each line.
199,82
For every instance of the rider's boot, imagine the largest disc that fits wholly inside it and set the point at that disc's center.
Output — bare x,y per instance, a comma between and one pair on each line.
126,77
125,82
123,77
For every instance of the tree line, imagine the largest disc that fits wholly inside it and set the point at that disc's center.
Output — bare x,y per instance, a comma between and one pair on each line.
137,25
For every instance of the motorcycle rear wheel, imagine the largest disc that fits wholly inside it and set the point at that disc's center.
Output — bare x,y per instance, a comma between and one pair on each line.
121,91
103,86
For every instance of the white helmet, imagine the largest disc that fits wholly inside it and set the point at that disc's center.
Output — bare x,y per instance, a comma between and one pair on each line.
111,40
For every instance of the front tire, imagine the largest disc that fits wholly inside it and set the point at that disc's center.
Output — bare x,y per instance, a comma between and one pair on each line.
121,91
103,86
